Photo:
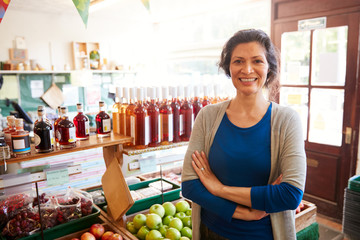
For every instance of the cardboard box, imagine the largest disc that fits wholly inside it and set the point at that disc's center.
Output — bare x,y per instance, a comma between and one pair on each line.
116,191
306,217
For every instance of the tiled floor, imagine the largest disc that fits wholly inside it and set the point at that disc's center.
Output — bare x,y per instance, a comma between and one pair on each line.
329,229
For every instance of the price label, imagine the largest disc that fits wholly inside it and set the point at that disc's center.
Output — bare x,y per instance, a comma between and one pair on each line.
57,177
147,165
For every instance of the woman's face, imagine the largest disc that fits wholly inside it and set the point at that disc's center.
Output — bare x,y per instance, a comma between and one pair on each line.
249,68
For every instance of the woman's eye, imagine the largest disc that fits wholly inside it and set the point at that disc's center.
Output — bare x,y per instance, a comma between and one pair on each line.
237,61
258,61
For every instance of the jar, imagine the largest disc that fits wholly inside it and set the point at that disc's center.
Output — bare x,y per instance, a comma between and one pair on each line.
4,148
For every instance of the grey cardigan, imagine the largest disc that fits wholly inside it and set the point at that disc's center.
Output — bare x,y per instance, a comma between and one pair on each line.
287,157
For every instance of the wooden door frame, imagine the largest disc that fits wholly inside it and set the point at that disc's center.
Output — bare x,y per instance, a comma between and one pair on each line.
290,12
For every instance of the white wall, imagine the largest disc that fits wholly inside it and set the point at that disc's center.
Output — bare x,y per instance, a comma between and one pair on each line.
122,37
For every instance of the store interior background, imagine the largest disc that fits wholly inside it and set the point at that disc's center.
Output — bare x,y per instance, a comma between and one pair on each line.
177,41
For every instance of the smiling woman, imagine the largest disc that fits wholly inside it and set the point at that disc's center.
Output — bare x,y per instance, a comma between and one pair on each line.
237,156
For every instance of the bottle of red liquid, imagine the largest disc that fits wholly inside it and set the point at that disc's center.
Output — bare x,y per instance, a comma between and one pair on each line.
66,131
154,119
180,93
196,101
206,100
43,133
130,118
81,122
175,107
141,122
103,122
166,119
186,116
20,140
56,124
158,96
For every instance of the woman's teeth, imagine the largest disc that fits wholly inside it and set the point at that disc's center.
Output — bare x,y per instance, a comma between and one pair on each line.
247,79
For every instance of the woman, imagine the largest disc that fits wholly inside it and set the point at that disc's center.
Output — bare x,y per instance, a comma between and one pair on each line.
245,166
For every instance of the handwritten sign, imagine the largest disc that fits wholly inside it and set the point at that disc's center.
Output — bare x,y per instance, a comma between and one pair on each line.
57,177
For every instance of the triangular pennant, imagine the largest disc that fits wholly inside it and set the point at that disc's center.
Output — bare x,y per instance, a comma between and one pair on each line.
83,8
146,4
3,6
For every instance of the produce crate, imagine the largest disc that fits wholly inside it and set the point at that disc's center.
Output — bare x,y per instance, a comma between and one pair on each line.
306,217
66,228
146,203
107,226
354,183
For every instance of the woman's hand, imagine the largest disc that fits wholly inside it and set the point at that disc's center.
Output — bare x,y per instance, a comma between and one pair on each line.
248,214
201,166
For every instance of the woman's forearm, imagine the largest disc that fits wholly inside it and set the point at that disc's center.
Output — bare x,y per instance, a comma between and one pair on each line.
248,214
240,195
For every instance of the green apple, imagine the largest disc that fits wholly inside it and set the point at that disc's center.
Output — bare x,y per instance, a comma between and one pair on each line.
166,220
170,208
153,221
153,235
131,227
180,215
157,209
188,212
186,232
182,206
187,221
176,223
139,220
163,229
184,238
173,234
141,234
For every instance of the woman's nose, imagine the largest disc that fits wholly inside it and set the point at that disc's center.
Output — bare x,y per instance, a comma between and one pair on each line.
247,68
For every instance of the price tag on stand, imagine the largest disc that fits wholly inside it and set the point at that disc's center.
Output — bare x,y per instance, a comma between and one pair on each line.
147,165
57,176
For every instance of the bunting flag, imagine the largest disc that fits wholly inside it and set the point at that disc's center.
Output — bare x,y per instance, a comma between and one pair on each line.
146,4
83,8
3,6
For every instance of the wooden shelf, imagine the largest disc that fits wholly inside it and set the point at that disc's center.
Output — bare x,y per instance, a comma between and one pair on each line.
93,142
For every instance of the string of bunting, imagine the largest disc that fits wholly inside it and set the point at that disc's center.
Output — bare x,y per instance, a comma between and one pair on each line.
3,6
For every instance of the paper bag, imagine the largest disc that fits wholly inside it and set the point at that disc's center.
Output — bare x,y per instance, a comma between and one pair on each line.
116,191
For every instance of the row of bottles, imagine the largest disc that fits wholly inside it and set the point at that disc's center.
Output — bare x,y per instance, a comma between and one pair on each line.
151,121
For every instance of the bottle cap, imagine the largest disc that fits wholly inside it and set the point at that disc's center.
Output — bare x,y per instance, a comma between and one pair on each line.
152,92
187,93
41,110
165,92
79,106
158,92
63,110
173,92
140,94
180,91
206,90
118,92
196,91
10,117
19,122
126,93
132,93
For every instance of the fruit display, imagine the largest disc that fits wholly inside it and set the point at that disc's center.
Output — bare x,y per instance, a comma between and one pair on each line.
19,215
163,221
97,231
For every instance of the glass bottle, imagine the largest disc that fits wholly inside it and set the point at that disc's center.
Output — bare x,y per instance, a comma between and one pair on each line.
154,119
66,131
20,140
180,93
196,102
9,130
175,107
141,122
186,116
56,124
82,124
206,100
122,111
216,98
103,122
4,148
166,119
158,96
130,118
43,133
116,112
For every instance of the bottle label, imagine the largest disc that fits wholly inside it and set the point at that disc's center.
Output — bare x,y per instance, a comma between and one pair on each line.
87,128
21,144
123,124
52,137
106,125
58,135
37,139
147,130
166,126
159,129
72,135
181,124
132,128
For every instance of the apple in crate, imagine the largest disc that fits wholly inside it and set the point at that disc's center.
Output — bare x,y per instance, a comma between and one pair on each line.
182,206
97,230
87,236
170,208
153,221
116,236
107,235
157,209
139,220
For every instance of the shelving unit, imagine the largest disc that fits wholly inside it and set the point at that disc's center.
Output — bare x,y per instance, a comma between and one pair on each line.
81,54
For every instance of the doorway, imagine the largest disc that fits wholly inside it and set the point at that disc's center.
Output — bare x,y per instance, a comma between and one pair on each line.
319,79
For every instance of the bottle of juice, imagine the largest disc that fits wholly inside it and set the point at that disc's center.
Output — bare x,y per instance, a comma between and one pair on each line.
81,122
103,122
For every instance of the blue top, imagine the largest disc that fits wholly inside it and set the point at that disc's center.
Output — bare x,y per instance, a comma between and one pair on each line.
241,157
